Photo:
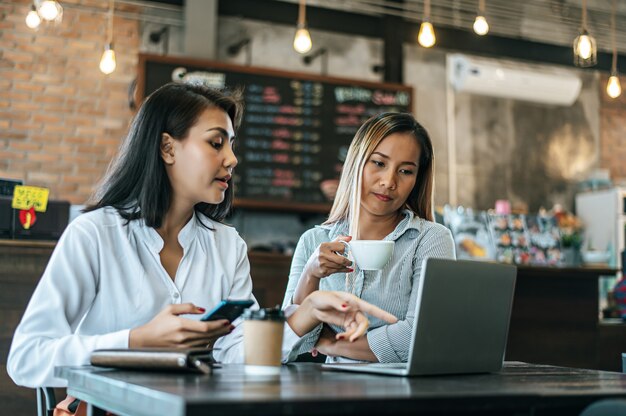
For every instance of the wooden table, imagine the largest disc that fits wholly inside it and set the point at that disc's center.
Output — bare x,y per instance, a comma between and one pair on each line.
305,389
554,319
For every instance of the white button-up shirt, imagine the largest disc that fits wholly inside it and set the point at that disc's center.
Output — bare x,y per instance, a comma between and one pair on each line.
105,277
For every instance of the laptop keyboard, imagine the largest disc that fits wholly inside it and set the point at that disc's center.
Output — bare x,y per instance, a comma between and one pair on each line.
387,365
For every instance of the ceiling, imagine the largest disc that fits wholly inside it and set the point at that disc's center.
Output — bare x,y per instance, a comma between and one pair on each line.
546,21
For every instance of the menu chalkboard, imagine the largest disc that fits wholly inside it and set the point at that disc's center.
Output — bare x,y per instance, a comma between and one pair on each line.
296,128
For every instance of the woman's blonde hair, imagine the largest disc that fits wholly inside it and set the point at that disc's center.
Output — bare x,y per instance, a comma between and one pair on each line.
347,204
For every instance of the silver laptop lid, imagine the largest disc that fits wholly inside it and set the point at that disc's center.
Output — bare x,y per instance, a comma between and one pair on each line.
462,317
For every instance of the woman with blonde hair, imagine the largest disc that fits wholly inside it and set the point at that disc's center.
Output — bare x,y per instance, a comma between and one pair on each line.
385,193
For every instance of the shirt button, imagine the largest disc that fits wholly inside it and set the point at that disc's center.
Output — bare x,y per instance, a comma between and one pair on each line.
175,295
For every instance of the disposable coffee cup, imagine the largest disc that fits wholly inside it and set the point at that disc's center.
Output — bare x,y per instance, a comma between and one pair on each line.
370,254
263,340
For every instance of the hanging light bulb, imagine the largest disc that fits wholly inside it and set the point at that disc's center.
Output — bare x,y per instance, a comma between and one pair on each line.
426,36
302,42
585,51
32,18
50,10
481,27
613,87
108,62
584,46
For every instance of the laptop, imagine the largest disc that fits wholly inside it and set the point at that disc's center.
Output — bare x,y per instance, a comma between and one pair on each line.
461,321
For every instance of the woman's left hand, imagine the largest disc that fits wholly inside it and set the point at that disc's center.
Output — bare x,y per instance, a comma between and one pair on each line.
336,308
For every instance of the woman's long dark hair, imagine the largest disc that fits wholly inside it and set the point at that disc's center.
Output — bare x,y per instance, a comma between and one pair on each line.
136,183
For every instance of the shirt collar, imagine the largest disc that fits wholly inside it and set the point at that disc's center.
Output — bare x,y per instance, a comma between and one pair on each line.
185,237
410,225
336,229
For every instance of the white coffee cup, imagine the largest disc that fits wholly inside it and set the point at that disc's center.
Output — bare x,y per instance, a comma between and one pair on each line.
370,254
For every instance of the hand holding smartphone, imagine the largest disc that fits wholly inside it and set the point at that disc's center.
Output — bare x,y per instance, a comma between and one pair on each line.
227,309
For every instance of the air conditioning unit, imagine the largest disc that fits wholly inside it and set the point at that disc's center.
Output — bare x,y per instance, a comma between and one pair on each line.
513,80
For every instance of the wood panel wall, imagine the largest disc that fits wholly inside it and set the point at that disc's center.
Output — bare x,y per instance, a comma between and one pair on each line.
21,267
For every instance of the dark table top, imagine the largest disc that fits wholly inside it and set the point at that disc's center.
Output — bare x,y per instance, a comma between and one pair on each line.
304,389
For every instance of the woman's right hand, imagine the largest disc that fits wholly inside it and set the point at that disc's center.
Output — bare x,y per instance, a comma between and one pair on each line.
167,329
326,260
336,308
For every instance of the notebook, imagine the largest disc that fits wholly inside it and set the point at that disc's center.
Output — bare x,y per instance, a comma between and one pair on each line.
198,360
461,321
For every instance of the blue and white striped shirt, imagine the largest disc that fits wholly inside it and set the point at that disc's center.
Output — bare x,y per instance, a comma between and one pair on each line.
394,289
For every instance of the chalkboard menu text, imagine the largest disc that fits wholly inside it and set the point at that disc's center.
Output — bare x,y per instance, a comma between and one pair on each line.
296,128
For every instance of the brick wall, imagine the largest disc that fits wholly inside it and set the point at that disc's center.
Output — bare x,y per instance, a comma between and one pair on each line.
61,119
613,132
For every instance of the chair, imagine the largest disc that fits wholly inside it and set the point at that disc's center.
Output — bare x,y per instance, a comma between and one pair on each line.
606,407
46,402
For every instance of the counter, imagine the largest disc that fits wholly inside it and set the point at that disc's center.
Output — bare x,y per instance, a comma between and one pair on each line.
21,265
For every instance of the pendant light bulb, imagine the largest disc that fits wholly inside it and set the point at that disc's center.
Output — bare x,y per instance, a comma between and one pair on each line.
585,50
584,46
613,87
481,27
426,36
32,18
49,10
302,41
108,63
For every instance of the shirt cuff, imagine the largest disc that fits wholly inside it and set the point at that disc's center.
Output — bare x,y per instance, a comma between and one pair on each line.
119,339
289,310
378,342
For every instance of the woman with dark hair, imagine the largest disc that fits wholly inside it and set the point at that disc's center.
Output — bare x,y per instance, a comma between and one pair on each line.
151,253
165,118
385,193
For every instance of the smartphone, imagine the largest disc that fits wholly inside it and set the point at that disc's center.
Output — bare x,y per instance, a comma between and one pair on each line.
228,309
